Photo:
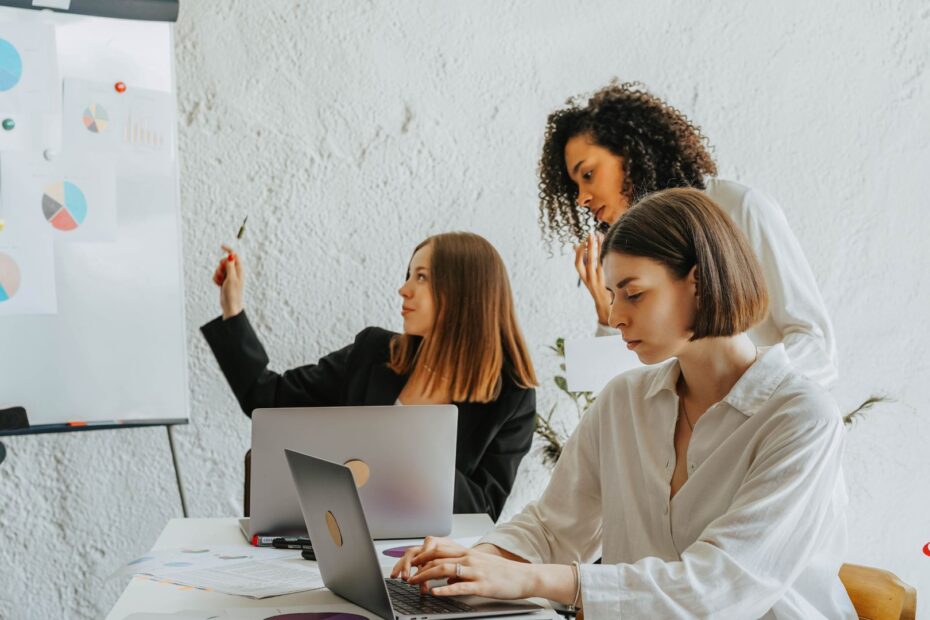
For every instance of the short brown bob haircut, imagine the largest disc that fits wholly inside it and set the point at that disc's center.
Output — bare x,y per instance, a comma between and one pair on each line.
475,337
683,228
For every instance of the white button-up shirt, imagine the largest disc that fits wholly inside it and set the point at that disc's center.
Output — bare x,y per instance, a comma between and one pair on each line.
757,531
797,315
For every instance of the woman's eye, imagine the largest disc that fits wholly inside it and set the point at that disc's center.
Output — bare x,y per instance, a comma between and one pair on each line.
587,175
634,297
421,277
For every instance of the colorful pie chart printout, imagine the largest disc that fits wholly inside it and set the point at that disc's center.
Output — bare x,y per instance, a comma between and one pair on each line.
10,277
11,66
95,118
64,205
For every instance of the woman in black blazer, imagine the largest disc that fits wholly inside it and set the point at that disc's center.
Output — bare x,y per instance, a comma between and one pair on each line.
461,344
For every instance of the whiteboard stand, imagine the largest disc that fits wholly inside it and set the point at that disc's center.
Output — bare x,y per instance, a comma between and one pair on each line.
177,470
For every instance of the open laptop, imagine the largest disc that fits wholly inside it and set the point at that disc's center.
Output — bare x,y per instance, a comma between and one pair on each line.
347,558
386,447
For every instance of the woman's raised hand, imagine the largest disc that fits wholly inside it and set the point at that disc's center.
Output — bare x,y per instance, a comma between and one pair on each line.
468,571
588,266
228,276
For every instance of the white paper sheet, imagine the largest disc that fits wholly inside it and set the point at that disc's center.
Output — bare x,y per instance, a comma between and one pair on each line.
334,611
148,132
590,363
253,572
93,116
137,123
27,276
70,198
30,92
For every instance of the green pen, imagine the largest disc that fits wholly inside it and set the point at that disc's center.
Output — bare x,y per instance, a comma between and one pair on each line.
241,232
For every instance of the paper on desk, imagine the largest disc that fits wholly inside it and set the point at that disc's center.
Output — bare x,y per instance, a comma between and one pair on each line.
591,362
254,572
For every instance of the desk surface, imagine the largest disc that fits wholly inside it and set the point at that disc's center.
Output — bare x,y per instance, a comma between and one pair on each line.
148,596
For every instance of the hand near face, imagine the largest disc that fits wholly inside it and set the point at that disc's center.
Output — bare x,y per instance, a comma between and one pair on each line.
469,571
588,266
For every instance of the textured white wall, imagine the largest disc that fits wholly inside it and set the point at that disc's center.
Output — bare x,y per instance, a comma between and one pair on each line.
350,131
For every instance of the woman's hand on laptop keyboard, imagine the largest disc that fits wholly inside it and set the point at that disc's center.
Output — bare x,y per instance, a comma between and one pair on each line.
472,571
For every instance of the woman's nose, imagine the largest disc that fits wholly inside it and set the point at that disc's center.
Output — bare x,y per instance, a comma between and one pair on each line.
616,318
583,199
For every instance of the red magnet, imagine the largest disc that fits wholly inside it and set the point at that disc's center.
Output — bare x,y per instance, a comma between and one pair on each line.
120,87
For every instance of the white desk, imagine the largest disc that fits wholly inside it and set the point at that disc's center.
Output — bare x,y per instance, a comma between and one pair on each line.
148,596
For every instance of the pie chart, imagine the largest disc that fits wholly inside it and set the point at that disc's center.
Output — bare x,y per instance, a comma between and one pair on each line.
64,205
95,118
9,277
11,66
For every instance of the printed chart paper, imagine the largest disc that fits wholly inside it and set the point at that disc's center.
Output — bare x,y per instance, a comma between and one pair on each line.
69,198
30,92
138,123
254,572
27,276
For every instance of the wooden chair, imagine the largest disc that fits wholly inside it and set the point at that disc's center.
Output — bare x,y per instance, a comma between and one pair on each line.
878,594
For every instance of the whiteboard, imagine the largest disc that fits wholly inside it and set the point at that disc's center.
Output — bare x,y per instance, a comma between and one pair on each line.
116,349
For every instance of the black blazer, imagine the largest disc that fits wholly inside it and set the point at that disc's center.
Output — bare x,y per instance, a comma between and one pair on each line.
492,438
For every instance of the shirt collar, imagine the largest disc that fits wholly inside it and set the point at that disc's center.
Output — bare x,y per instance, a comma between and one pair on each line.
757,384
750,392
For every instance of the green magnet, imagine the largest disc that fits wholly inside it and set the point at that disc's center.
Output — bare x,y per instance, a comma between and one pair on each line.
9,124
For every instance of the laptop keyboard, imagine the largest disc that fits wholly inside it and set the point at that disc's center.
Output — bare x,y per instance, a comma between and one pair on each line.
407,600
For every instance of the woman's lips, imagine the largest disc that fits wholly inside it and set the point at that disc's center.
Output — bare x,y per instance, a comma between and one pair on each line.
598,213
405,311
632,344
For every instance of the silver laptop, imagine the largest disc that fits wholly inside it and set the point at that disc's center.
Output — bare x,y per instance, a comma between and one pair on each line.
347,558
386,448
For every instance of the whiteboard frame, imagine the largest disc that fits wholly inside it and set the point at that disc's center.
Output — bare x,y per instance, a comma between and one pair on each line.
155,300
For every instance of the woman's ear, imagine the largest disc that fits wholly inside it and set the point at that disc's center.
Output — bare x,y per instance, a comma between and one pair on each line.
693,280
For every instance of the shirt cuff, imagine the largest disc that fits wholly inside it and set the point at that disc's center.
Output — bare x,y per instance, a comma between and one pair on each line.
599,591
512,544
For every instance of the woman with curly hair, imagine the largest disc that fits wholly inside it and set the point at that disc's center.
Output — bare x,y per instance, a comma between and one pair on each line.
601,155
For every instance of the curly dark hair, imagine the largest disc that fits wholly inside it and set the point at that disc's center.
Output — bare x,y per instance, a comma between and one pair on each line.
660,148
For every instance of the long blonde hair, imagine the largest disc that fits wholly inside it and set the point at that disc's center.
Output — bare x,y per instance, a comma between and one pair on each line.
475,337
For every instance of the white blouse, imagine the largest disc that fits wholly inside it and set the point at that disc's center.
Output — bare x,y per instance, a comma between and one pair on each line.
757,531
797,315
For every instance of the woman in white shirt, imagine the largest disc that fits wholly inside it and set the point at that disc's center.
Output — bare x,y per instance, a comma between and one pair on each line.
601,154
709,481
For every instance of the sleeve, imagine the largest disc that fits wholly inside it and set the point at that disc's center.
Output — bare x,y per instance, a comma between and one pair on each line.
489,485
796,306
565,523
244,363
746,559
